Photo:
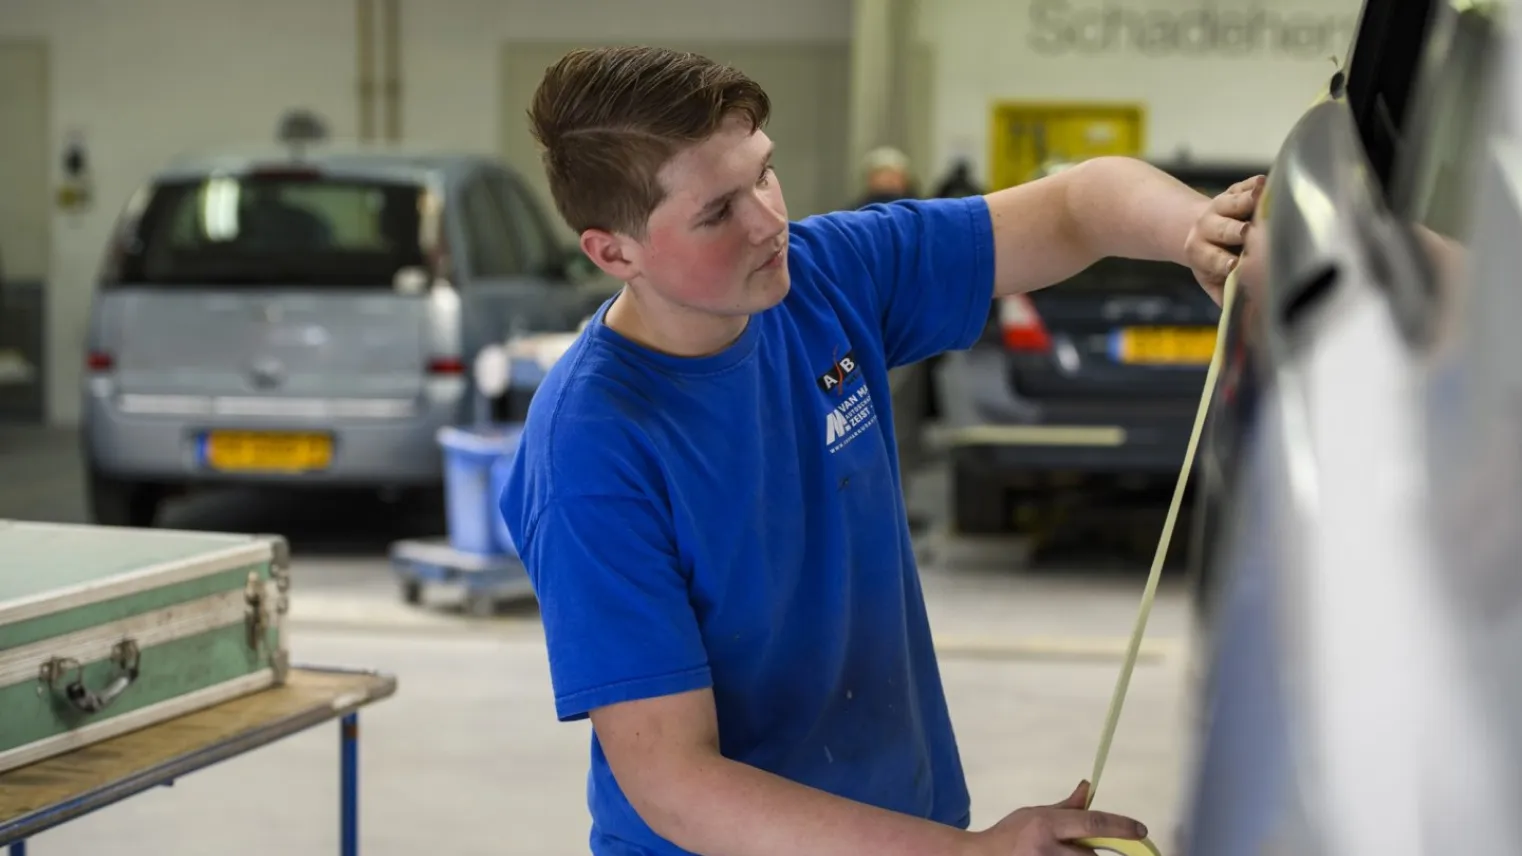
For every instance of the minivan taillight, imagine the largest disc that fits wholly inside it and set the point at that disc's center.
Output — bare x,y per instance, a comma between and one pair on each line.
446,366
1021,325
99,361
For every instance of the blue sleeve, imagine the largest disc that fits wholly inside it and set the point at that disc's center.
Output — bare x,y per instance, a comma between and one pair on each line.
613,601
927,267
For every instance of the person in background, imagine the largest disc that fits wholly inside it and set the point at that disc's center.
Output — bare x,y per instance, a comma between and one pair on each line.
887,177
958,182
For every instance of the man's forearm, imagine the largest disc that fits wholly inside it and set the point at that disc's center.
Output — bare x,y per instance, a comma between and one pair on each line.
717,807
1125,207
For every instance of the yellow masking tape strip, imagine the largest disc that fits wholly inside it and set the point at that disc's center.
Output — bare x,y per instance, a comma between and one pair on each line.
1145,847
1158,558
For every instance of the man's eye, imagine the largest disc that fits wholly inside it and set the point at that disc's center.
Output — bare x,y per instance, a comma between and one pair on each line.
766,176
721,216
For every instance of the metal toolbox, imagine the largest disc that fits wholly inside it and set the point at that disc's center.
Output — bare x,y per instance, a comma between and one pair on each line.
104,630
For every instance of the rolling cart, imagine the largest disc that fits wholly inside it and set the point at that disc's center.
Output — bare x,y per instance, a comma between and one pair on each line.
477,556
488,581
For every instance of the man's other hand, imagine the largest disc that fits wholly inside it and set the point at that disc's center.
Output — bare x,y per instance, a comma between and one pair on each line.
1051,830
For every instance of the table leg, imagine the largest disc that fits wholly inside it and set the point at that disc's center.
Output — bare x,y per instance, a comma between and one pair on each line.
348,785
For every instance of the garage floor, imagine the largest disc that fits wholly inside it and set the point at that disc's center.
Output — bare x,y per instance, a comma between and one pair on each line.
468,758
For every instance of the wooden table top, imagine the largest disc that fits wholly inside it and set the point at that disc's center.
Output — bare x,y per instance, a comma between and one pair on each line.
49,792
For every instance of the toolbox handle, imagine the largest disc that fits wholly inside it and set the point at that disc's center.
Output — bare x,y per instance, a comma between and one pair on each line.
124,654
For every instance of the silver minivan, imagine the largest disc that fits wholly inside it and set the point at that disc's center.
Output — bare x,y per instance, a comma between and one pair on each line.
308,319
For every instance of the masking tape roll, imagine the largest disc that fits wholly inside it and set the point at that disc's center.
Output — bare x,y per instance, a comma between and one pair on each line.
1123,846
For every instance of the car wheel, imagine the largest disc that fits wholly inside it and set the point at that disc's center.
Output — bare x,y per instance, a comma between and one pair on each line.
113,502
979,501
412,592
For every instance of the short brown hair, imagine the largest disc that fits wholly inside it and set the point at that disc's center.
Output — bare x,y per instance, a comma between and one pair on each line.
609,118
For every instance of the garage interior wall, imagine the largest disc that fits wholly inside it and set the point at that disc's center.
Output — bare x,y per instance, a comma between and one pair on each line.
1226,78
141,81
24,221
136,90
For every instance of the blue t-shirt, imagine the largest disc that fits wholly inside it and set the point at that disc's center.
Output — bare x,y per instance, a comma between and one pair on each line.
736,521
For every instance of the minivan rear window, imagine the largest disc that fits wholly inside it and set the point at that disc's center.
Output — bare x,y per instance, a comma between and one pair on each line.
292,229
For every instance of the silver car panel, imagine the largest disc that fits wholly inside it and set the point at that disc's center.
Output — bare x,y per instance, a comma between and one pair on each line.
1366,643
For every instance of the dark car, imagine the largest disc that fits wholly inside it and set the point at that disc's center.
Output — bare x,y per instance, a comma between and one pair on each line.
1091,383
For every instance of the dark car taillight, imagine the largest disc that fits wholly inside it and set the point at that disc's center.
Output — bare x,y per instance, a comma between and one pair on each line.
1020,325
99,361
446,366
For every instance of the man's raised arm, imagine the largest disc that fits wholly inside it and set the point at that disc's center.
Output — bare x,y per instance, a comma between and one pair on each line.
1050,229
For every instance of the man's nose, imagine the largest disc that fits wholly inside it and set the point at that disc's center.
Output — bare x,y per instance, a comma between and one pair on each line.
766,223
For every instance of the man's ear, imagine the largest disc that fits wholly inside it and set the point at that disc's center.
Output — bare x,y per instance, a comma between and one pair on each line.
610,252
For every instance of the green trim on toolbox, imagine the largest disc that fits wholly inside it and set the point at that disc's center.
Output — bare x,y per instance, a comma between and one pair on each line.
105,612
166,672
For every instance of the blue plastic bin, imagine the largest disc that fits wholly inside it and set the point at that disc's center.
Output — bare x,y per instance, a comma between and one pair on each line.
470,491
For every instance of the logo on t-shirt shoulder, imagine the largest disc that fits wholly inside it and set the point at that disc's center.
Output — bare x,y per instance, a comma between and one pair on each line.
843,370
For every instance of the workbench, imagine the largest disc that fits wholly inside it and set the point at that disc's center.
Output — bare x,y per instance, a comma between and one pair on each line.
54,791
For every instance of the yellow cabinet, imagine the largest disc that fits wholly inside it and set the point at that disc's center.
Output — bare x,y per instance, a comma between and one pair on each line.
1025,137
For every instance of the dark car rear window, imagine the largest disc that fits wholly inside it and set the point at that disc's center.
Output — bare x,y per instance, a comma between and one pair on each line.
280,230
1130,276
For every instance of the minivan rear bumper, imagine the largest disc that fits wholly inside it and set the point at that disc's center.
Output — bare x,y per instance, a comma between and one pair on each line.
986,422
380,449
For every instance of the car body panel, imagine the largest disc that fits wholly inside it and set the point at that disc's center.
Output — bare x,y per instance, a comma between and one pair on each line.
1362,630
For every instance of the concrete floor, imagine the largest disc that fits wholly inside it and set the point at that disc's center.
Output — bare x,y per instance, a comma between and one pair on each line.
468,758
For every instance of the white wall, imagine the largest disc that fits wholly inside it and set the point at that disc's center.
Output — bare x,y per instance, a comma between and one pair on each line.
451,53
1219,100
143,79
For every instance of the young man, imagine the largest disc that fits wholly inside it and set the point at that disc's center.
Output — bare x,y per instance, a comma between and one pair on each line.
707,494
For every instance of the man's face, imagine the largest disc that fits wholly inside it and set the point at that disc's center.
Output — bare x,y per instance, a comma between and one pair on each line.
888,181
718,242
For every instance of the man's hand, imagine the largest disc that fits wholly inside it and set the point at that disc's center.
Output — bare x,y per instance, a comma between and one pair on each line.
1213,245
1047,830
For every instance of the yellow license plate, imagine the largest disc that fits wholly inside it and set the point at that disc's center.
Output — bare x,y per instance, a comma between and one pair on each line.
1166,345
269,451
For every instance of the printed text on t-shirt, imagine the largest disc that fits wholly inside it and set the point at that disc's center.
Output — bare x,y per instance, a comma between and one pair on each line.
849,419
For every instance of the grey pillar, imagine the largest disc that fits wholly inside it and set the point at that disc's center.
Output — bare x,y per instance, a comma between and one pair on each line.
883,35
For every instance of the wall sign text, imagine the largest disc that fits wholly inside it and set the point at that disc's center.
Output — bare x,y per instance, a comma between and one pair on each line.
1059,27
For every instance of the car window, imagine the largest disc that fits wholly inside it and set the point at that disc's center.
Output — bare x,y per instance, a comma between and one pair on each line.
275,229
1380,71
526,217
493,250
1435,184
